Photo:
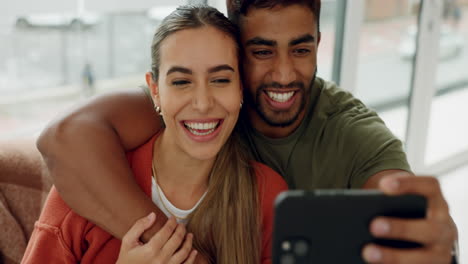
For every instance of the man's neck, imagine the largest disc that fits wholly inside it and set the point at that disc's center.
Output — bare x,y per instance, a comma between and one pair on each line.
270,131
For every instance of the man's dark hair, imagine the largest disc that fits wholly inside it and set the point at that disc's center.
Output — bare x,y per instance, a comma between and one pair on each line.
236,8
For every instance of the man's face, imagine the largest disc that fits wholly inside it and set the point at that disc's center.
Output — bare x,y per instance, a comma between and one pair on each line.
280,48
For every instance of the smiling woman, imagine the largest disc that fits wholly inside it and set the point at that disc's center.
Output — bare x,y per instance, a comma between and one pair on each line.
194,95
195,169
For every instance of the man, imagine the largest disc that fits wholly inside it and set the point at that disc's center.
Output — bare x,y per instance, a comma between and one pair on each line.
311,132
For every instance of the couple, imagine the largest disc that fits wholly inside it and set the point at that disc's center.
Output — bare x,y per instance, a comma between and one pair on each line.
308,130
195,169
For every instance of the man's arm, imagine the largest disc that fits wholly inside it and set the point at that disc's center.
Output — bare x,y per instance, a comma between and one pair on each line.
85,154
437,232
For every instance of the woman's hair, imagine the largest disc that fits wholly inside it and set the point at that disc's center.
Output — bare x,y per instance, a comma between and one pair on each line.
190,17
226,224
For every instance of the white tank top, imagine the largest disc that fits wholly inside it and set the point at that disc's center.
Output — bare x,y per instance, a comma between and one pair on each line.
159,198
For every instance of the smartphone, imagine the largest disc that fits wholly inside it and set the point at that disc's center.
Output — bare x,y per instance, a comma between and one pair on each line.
332,226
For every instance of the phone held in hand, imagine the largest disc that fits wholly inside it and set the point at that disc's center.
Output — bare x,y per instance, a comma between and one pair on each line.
332,226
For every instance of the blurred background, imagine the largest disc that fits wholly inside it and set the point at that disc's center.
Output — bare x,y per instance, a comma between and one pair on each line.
407,59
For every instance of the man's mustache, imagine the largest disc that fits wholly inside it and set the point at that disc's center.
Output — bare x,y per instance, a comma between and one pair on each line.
277,85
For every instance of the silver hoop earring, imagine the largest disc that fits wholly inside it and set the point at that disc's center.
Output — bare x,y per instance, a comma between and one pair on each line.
242,101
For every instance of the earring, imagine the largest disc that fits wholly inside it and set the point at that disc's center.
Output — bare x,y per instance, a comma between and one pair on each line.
242,101
158,110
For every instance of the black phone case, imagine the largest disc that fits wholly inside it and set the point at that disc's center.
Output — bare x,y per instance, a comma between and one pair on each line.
332,226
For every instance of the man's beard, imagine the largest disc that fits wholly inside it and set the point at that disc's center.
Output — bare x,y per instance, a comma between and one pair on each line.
271,121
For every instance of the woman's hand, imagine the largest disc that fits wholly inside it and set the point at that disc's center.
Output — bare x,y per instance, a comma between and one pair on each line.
170,245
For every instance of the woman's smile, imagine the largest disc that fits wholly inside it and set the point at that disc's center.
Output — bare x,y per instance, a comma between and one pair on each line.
202,130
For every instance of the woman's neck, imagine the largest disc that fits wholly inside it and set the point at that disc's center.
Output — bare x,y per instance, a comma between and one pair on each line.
178,173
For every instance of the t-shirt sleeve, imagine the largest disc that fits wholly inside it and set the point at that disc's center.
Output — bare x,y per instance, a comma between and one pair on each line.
370,146
270,184
53,238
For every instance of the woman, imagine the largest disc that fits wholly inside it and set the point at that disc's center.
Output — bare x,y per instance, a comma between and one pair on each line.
195,170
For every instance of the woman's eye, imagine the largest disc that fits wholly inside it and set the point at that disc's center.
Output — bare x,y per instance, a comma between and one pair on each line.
180,83
221,81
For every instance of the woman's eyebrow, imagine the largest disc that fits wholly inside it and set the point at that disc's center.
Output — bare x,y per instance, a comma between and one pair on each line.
223,67
179,69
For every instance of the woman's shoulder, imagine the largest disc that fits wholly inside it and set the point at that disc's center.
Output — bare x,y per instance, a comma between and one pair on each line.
59,217
269,182
55,211
59,226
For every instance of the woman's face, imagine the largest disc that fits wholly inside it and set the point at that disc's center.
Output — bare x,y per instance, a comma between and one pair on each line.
199,90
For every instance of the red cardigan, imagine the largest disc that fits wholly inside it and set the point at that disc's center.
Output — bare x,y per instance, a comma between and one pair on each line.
62,236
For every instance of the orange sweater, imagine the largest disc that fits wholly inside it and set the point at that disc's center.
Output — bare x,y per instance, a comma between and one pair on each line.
62,236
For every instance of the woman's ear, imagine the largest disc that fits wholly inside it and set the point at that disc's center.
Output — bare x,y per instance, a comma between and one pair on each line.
241,95
153,87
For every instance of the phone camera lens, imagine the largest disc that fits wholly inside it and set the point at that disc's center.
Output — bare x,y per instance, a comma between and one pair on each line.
287,259
286,245
301,248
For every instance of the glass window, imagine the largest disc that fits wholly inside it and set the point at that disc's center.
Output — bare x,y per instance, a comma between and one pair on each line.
386,52
448,127
328,18
51,61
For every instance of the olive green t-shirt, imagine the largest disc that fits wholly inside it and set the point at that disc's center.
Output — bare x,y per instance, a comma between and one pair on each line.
339,144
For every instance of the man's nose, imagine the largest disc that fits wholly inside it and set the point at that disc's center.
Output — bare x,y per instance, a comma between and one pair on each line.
283,70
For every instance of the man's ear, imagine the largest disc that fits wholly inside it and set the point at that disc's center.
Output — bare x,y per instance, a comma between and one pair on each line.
319,37
153,87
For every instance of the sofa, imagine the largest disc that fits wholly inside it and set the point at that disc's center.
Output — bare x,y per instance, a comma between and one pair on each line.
24,185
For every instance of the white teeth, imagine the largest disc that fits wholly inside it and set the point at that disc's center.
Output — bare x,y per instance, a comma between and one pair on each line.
201,133
201,126
209,127
280,97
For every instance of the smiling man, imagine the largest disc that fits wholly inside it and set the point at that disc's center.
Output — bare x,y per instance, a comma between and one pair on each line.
310,131
280,47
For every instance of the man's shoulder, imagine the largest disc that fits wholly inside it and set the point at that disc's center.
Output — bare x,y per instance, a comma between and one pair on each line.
335,100
340,117
339,109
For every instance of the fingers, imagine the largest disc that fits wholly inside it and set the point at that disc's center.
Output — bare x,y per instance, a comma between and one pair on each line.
436,232
417,230
132,237
161,238
192,257
382,255
437,218
183,253
428,187
174,242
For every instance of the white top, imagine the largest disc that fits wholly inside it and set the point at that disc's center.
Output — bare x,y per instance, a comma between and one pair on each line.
178,213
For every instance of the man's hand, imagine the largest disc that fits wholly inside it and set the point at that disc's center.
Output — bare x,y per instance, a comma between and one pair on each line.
170,245
437,232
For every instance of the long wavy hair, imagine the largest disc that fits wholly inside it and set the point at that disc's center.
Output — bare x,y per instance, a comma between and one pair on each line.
226,224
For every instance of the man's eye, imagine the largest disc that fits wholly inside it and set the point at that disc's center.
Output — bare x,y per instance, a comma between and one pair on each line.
180,83
302,51
262,53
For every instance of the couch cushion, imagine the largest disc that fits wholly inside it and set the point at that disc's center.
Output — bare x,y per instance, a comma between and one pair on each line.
24,185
